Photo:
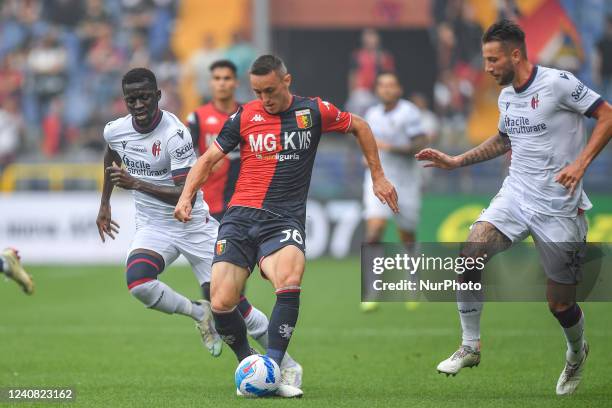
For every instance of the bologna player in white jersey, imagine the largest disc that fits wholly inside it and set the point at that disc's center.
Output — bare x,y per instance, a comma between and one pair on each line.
157,152
396,125
541,120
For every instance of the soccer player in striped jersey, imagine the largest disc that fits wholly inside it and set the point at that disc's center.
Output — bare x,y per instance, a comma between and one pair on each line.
278,135
205,124
541,114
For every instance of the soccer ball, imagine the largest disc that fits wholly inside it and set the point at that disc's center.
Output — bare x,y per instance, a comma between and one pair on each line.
257,376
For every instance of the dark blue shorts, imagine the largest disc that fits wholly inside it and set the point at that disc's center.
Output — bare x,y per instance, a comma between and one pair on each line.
247,235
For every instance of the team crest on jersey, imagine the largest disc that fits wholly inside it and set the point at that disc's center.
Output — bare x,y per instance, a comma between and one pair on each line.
535,101
124,143
220,247
303,118
156,149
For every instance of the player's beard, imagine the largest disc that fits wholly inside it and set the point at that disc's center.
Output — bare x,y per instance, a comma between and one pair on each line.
507,76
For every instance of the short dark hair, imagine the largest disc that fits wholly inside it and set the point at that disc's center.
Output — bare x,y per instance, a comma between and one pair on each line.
391,73
265,64
506,32
223,63
139,75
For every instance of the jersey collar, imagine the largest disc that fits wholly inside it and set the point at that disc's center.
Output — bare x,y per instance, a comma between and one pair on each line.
529,81
156,119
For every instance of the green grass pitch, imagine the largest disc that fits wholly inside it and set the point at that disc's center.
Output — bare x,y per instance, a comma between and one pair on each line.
83,329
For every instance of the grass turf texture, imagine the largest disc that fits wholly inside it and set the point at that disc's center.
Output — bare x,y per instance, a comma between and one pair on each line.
83,329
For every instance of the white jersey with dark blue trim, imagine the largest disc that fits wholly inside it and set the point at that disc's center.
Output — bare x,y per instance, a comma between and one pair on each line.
157,156
396,127
545,122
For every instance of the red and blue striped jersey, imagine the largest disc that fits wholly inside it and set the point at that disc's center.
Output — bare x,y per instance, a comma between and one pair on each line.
277,152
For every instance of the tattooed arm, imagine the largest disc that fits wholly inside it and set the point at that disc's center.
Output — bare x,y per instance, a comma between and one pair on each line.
489,149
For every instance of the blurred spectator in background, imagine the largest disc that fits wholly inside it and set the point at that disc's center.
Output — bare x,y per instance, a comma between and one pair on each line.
11,131
366,63
137,15
105,62
11,78
196,68
47,67
604,60
242,53
429,121
139,53
95,18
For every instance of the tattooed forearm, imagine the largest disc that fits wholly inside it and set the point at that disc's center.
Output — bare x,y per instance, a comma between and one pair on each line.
487,150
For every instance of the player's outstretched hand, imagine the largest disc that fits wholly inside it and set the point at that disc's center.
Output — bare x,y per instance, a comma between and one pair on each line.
437,159
384,190
105,224
182,211
570,176
121,178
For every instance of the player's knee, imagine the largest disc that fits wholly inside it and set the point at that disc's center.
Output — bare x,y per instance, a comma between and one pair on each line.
141,269
288,278
556,306
223,299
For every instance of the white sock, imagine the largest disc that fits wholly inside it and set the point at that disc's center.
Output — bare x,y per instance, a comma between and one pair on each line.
469,313
257,327
159,296
575,340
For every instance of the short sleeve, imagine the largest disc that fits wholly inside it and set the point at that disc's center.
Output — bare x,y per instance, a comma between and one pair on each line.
573,95
180,149
332,118
501,126
414,125
229,137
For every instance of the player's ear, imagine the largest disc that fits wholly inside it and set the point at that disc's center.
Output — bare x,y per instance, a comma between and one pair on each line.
287,80
158,95
516,55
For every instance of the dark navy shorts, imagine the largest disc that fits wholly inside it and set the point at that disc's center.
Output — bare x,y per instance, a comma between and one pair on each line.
247,235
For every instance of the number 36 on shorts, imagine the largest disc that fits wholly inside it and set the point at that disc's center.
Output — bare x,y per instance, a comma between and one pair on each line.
293,234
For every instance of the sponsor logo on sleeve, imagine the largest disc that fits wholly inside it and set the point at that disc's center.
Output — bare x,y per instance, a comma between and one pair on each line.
124,143
579,92
183,151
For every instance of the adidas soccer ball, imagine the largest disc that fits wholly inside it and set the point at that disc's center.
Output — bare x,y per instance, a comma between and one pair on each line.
257,376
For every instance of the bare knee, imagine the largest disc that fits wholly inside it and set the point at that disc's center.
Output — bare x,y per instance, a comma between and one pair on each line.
556,307
226,285
223,300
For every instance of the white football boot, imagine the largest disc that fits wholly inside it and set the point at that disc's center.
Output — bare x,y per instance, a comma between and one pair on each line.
206,327
13,270
291,373
572,374
466,356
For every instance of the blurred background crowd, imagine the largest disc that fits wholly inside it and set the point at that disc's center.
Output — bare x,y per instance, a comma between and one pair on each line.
61,63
